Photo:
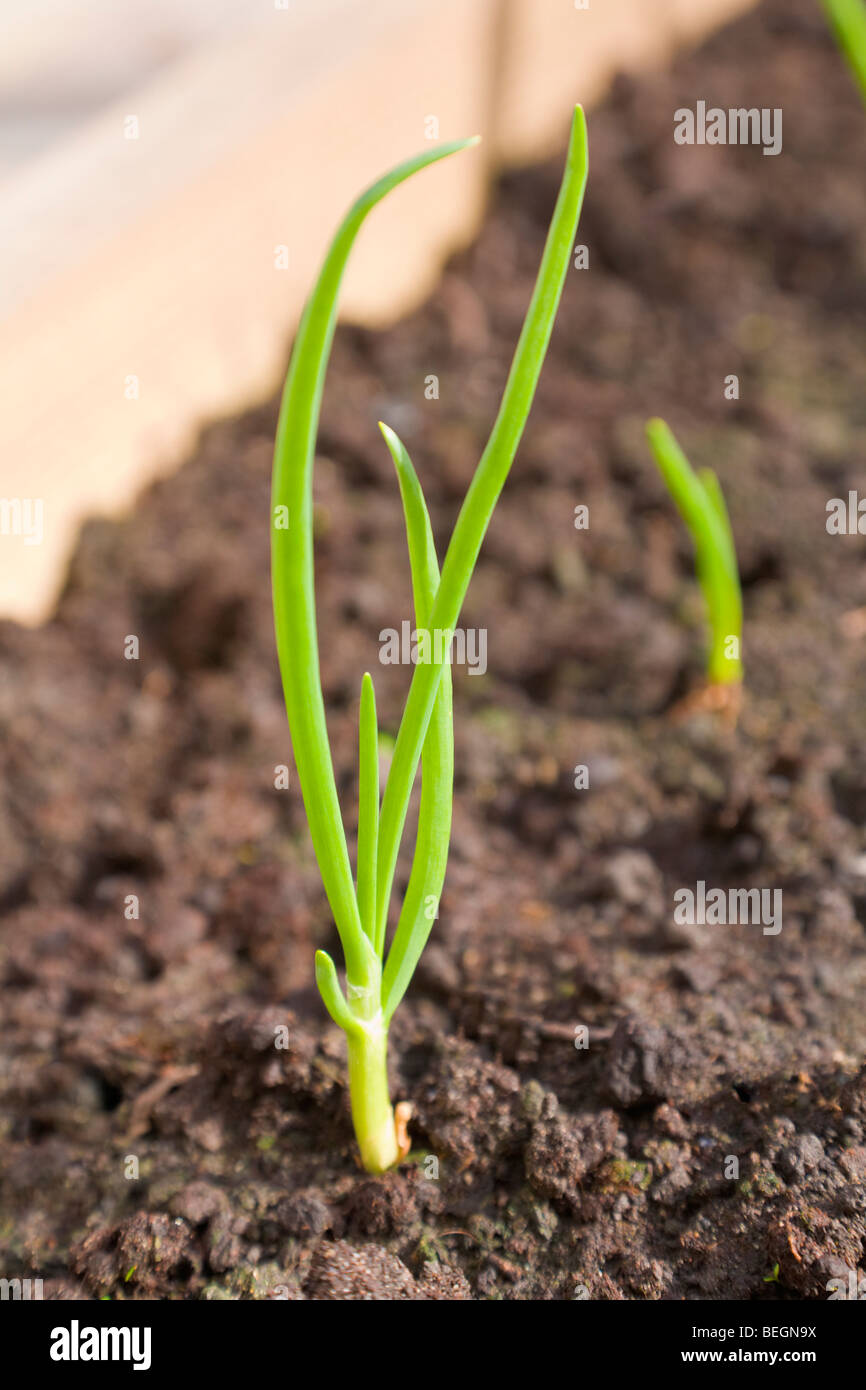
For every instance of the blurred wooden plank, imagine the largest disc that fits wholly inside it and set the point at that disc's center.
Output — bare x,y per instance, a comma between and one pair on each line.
155,258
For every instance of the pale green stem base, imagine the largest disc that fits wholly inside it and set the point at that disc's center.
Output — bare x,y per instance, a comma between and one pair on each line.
372,1114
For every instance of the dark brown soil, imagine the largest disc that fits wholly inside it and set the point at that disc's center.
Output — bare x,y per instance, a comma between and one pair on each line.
153,1039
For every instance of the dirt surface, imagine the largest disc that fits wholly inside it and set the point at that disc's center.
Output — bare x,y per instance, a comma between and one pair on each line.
157,1143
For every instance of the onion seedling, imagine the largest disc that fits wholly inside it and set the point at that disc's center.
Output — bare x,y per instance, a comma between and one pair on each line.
376,982
848,22
701,504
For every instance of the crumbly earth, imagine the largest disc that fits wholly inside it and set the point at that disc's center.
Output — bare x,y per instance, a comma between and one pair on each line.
710,1142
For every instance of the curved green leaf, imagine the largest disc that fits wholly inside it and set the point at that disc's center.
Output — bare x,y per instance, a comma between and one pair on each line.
421,903
848,21
701,505
329,988
368,808
480,500
292,566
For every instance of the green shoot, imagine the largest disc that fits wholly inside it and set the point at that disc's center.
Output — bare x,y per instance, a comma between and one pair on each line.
848,22
376,982
699,500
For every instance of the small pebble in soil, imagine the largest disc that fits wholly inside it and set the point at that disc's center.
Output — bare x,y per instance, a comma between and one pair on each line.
799,1158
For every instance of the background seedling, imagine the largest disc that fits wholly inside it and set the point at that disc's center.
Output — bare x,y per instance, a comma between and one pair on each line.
698,497
848,22
375,984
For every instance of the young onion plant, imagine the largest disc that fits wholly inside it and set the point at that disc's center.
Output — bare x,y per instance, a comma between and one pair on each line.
701,504
375,980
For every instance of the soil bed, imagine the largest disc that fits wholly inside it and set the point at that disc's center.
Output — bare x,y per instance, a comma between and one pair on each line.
146,1045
